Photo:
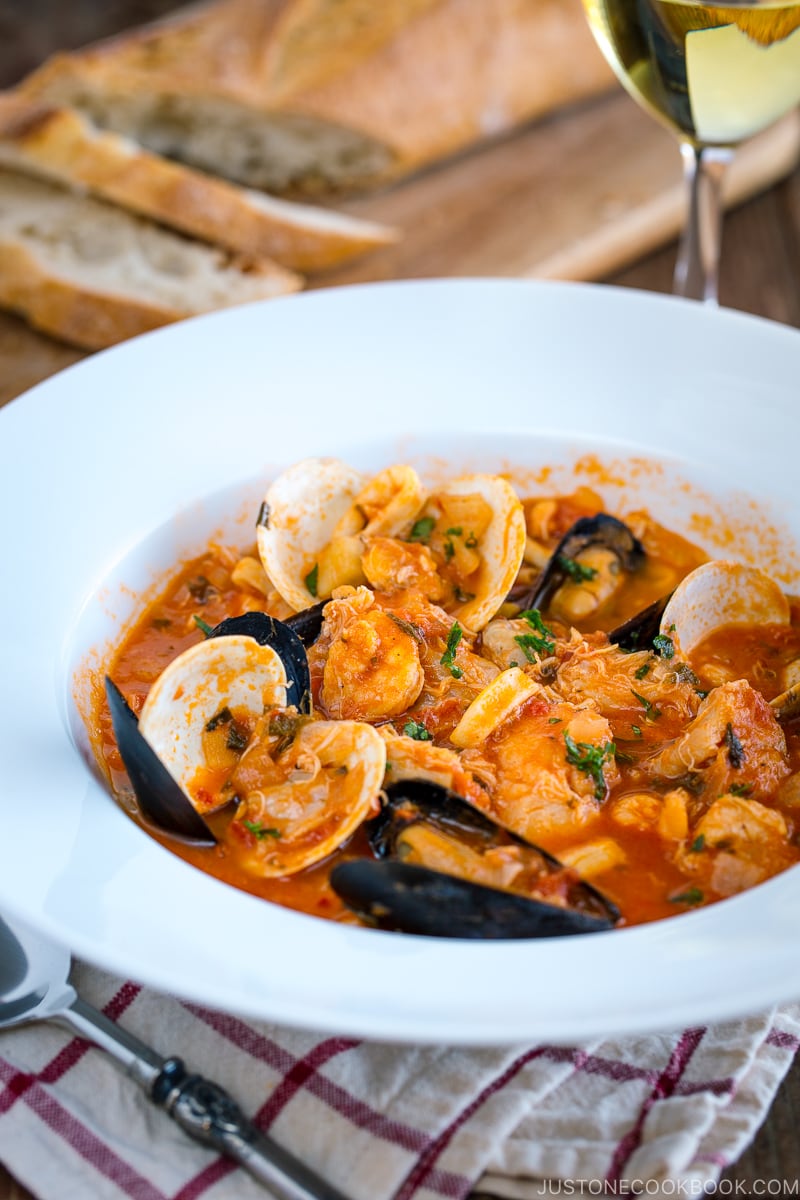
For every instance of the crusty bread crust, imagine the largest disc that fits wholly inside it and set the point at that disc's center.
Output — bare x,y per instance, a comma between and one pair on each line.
60,144
383,87
81,316
92,274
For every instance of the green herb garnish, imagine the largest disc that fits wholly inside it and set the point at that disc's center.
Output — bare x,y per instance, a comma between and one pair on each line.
417,731
577,572
422,529
590,759
740,789
735,747
650,711
408,627
456,531
698,844
223,717
554,720
463,597
261,831
312,579
664,645
692,896
642,670
203,625
237,738
161,622
538,644
448,659
636,730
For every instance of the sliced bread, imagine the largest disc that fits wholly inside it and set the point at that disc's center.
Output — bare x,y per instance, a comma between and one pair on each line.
93,274
324,95
60,144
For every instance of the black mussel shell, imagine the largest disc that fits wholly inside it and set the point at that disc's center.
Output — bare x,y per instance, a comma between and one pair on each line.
412,899
418,800
638,631
269,631
601,530
160,797
308,623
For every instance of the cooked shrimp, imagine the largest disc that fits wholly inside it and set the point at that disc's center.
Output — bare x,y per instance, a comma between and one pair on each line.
373,669
554,764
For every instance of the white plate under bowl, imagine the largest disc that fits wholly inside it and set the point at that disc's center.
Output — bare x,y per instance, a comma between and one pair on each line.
112,469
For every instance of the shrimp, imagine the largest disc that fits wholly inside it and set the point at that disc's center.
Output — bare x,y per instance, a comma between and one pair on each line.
554,764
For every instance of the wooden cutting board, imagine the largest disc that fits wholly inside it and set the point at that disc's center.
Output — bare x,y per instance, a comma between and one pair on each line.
577,196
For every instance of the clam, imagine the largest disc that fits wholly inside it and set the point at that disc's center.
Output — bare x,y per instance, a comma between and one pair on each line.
450,871
717,594
584,569
498,548
234,668
314,516
332,772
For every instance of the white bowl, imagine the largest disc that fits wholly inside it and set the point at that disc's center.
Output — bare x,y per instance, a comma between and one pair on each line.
118,466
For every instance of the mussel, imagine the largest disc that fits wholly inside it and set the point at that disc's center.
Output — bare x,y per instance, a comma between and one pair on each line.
156,751
448,870
602,532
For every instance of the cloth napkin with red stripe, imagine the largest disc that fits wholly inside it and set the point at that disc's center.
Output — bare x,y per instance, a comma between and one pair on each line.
385,1122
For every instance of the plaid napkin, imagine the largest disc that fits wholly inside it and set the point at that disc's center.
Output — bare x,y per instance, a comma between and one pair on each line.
385,1122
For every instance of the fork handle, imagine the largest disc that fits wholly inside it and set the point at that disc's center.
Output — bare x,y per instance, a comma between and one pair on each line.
201,1107
208,1114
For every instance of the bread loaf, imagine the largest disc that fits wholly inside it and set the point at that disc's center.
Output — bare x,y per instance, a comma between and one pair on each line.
61,145
93,274
320,95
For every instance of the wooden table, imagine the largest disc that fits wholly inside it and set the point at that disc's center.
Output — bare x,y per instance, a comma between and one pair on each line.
760,274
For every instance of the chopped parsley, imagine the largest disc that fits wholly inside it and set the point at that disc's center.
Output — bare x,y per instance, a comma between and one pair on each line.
312,579
590,759
456,531
422,529
417,731
636,730
261,831
463,597
691,896
538,644
642,670
650,711
554,720
577,572
223,717
740,789
698,844
237,738
663,645
408,627
735,747
203,625
448,659
200,589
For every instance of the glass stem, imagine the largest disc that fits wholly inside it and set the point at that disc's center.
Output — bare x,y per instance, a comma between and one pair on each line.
697,268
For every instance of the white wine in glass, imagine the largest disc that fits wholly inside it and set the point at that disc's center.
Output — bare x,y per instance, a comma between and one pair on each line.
715,75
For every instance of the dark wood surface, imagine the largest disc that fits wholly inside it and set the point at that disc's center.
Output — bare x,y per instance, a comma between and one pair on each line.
761,274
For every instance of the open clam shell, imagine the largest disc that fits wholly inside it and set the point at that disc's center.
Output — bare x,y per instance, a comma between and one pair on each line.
314,515
717,594
459,856
501,547
298,518
334,772
232,672
287,639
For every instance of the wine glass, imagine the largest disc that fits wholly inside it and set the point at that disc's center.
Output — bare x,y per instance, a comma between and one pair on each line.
714,74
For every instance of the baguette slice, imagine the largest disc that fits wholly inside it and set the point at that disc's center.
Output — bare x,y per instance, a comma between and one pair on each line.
313,96
92,274
60,144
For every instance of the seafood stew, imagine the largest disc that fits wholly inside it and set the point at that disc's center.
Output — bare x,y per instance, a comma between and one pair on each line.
468,641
